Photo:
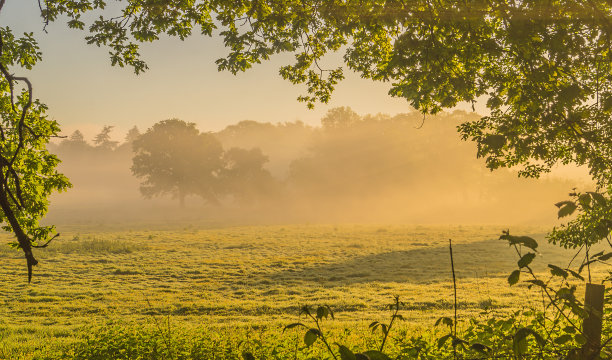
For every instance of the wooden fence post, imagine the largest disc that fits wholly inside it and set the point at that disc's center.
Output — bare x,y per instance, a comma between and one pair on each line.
592,324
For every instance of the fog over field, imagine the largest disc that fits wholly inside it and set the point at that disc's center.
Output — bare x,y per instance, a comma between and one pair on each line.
352,168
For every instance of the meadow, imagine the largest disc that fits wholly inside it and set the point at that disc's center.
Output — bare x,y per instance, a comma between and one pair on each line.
249,282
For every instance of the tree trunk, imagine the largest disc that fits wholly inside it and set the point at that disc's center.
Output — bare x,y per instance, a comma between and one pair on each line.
22,238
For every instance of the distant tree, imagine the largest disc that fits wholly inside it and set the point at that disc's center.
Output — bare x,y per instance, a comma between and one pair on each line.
174,158
132,135
77,137
74,144
340,117
103,139
244,175
126,146
371,154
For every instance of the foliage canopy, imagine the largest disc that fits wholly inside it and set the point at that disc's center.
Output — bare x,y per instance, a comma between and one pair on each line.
174,157
27,170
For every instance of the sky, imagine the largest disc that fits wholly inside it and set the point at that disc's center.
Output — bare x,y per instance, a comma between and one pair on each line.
83,91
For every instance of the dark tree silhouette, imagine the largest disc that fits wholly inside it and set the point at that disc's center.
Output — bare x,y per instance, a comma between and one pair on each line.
77,137
174,158
244,175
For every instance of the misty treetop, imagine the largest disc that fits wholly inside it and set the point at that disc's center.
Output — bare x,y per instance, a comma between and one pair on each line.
350,167
103,139
174,158
245,177
102,142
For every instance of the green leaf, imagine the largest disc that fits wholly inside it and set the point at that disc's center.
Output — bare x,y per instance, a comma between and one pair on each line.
580,339
526,260
578,310
599,198
311,336
291,326
443,339
566,293
605,257
514,277
519,346
557,271
585,200
607,103
345,353
537,282
384,328
481,348
519,341
444,321
566,208
603,228
520,240
575,274
563,339
495,142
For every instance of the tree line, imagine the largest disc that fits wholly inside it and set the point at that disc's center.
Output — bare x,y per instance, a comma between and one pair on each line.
386,164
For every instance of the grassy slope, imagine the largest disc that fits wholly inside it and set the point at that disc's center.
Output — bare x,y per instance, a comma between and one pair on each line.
243,276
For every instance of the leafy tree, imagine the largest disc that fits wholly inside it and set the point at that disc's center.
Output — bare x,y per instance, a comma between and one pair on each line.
339,118
77,137
174,158
132,135
127,145
75,143
27,170
103,139
244,175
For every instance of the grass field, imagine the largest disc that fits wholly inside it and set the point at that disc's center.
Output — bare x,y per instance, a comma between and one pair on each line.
244,277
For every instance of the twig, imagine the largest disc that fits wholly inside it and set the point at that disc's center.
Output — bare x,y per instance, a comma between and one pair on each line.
47,243
422,123
388,330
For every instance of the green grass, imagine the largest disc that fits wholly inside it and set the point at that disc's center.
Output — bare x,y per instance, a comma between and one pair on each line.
242,277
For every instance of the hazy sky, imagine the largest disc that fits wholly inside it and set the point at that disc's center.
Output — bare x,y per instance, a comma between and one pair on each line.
83,91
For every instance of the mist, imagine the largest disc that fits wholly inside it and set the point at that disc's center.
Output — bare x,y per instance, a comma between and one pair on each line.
351,168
